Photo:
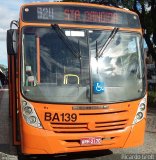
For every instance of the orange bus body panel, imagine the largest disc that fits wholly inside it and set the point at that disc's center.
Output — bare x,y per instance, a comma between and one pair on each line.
114,123
136,137
10,88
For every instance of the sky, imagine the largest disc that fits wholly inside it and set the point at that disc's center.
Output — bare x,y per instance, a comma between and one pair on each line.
9,10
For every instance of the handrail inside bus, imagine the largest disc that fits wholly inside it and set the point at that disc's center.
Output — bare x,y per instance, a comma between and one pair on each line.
66,77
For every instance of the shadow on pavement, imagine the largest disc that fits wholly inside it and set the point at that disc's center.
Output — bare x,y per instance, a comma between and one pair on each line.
71,156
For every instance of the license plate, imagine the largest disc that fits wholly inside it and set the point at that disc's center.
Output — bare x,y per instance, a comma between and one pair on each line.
91,141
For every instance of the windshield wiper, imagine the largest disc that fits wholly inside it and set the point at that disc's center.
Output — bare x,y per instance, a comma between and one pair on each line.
66,40
69,44
111,36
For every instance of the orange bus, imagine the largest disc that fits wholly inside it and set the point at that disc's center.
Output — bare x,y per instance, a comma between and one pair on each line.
76,78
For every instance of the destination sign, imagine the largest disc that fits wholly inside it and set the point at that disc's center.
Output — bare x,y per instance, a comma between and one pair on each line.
79,15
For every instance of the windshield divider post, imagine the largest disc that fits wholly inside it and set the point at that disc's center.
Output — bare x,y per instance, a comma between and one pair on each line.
38,59
97,55
97,51
90,69
80,58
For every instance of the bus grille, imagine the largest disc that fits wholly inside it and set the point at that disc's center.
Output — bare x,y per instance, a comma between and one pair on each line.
84,127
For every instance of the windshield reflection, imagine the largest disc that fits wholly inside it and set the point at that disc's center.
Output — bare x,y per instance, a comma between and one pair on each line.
52,73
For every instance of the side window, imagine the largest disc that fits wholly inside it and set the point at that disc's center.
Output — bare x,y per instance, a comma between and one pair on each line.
132,48
133,56
30,59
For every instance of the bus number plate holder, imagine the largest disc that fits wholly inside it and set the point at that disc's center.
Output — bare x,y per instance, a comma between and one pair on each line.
87,141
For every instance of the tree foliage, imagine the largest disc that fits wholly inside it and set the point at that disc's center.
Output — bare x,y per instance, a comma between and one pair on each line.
3,69
146,9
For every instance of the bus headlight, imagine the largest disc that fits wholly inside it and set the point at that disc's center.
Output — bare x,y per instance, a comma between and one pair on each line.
141,111
32,119
142,106
139,115
30,115
27,110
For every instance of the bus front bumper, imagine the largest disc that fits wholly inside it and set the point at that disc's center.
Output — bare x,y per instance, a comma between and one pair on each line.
40,141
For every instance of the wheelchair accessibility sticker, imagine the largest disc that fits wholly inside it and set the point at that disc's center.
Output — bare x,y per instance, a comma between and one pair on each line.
98,87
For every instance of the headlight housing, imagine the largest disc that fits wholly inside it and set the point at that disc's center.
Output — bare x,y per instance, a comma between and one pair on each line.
29,114
141,110
27,110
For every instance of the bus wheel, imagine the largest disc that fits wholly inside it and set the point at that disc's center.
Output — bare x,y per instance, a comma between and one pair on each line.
23,157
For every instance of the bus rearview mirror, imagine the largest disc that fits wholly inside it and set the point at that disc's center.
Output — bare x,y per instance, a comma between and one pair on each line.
12,41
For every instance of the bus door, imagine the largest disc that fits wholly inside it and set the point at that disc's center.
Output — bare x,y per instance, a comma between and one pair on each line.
12,56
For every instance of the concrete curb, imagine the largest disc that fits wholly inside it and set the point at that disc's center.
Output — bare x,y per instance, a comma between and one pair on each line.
4,156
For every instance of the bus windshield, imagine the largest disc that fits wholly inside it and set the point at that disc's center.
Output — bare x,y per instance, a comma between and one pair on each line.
52,73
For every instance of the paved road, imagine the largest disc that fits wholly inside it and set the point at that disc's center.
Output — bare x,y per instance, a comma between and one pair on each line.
8,152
